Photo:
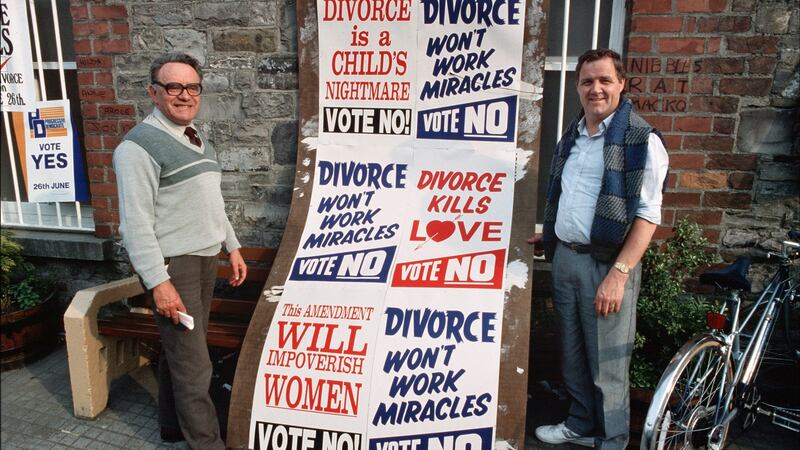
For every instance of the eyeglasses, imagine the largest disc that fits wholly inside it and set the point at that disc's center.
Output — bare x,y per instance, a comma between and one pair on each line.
176,89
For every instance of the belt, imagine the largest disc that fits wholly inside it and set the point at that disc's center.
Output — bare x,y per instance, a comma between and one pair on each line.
577,248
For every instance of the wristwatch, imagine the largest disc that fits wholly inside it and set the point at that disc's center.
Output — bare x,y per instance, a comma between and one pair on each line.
622,267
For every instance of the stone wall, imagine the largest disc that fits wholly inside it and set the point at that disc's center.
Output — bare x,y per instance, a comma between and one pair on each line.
249,112
721,79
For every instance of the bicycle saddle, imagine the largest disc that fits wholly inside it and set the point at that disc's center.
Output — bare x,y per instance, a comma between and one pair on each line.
733,276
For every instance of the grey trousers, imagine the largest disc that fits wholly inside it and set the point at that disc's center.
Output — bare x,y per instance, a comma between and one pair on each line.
595,350
184,364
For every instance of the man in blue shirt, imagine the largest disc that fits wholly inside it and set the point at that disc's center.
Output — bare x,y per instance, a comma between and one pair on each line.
603,206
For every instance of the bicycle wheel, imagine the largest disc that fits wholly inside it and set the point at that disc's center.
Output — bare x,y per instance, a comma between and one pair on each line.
689,400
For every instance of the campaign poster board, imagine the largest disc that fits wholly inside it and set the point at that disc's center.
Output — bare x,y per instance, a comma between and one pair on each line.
17,91
346,350
412,199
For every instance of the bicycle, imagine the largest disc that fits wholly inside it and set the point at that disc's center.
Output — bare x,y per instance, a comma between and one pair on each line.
711,380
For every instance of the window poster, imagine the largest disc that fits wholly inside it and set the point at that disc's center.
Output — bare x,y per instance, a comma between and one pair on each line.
387,335
53,163
17,91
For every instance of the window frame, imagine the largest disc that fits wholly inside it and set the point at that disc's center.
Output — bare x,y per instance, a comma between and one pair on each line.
51,27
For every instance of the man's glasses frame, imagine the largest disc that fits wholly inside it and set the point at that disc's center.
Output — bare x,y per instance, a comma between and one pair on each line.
176,89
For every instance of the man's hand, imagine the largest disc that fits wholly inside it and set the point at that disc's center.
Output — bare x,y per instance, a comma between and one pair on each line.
238,269
168,301
535,241
608,299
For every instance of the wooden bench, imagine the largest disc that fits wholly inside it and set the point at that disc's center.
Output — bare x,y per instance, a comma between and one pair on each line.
106,325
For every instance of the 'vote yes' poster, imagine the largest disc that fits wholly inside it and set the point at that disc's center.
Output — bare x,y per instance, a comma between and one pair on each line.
50,150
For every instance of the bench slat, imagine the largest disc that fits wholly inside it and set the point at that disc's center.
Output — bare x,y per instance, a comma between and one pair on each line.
262,257
243,308
253,273
219,305
143,326
259,254
254,254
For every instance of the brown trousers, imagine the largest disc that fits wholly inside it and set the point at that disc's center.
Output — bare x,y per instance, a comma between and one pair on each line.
184,367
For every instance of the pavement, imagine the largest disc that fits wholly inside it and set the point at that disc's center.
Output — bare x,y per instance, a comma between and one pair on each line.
37,414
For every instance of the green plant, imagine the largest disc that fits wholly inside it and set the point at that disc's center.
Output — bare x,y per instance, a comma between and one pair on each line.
21,287
10,256
667,316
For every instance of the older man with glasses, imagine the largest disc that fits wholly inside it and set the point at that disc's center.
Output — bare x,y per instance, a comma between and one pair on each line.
173,225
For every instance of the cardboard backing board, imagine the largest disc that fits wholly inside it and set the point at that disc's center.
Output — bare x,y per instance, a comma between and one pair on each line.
514,354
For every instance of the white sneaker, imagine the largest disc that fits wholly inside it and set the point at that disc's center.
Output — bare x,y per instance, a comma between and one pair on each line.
560,434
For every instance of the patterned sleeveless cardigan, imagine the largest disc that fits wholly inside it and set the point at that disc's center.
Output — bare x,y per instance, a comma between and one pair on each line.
624,157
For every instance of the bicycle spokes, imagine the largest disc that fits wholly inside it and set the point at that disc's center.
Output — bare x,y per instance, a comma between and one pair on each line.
694,406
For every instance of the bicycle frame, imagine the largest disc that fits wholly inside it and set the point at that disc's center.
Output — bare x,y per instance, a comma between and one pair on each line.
748,362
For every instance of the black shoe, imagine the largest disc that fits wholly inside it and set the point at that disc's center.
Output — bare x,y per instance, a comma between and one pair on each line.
170,434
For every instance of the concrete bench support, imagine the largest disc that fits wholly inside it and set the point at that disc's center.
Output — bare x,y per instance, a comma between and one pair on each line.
94,360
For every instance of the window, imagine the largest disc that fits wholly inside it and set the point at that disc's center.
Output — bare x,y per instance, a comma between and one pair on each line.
55,75
591,24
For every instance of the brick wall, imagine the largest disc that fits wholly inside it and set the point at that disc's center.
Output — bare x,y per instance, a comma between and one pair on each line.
101,32
720,79
248,51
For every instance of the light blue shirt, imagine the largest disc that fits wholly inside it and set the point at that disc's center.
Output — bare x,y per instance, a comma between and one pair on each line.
583,176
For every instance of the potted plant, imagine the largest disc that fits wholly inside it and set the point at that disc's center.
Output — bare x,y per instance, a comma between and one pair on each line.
667,315
29,317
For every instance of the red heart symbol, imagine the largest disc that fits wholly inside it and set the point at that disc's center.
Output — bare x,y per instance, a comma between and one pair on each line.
440,230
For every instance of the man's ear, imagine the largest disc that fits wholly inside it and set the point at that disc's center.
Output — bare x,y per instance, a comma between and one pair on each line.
151,91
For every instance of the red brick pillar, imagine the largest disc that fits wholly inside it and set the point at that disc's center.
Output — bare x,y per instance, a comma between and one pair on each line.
101,32
691,65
